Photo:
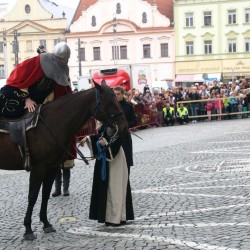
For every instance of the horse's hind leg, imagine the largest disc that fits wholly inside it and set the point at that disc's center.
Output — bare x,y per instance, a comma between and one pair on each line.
34,187
47,186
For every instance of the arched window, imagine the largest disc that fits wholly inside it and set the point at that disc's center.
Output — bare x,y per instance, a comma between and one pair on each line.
118,8
93,21
144,17
27,9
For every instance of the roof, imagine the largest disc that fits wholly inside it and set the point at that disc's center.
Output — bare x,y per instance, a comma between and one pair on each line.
164,6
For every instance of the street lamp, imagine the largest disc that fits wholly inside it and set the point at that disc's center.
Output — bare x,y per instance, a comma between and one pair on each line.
16,47
115,51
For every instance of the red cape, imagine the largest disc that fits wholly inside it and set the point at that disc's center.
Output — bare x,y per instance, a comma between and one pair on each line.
26,73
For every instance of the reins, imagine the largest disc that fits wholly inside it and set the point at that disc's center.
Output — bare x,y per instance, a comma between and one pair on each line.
112,140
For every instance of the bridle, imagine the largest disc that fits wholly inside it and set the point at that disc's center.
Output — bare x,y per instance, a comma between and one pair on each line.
98,108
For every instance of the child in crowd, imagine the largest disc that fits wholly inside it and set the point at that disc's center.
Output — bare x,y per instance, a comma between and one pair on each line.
218,104
209,108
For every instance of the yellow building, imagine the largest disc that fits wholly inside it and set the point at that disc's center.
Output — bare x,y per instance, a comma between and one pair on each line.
212,40
29,24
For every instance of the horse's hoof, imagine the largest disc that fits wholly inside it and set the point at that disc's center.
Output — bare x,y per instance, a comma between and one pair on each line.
49,229
31,236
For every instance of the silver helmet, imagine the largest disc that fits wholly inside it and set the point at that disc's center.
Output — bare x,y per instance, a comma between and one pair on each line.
62,50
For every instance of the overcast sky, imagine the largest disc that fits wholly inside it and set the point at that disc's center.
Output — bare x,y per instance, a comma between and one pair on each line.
69,3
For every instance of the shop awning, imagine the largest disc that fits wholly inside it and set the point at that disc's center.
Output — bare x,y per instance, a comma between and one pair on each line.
184,78
198,77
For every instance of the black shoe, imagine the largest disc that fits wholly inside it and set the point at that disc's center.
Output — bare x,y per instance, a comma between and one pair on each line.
66,193
56,193
108,224
123,222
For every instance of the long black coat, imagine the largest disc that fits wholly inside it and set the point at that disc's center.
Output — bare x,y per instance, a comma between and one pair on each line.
100,187
127,146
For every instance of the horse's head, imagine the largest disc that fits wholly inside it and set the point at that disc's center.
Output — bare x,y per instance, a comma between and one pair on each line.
108,110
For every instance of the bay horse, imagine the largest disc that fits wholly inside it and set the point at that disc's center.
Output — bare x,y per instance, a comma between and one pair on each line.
61,120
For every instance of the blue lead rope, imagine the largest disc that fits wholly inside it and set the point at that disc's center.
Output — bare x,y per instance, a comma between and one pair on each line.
102,156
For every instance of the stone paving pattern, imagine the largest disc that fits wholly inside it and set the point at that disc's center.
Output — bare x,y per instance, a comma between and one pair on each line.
190,185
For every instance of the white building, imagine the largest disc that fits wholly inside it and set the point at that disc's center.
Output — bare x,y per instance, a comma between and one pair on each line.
140,31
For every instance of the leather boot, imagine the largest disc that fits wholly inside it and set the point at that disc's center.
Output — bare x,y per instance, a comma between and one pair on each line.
66,180
58,183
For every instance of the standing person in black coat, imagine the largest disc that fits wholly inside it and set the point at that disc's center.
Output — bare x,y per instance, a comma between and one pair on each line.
127,145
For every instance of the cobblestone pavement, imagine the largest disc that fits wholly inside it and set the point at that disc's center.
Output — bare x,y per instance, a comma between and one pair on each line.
190,187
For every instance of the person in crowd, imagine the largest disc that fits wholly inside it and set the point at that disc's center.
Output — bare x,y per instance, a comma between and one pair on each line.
215,87
193,105
178,95
202,107
41,49
226,104
168,115
153,113
127,145
159,106
109,188
145,88
171,99
234,101
209,107
182,114
138,106
147,98
218,105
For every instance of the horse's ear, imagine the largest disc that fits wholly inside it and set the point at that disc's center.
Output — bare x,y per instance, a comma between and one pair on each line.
97,86
103,82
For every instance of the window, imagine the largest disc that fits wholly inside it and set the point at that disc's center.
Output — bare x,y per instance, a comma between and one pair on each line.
42,43
118,8
247,15
189,19
29,45
208,47
82,54
1,47
123,52
231,16
207,18
232,45
146,51
93,23
56,41
164,50
189,48
27,9
247,43
97,53
144,17
115,52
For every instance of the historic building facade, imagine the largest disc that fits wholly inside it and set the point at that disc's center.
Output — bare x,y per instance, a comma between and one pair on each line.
109,33
212,40
26,25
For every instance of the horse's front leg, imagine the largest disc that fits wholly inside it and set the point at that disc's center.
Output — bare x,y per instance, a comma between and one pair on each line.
34,187
47,186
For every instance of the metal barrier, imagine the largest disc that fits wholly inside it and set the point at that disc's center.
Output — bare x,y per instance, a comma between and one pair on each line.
89,128
222,111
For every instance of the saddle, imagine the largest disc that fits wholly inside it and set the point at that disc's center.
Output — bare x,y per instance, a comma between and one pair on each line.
17,129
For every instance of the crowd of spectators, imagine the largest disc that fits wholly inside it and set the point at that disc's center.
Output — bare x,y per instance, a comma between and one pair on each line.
202,102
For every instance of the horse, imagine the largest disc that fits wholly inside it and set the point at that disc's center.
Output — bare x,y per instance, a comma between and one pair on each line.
50,141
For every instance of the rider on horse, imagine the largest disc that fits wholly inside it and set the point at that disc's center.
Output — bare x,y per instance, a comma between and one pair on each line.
36,80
